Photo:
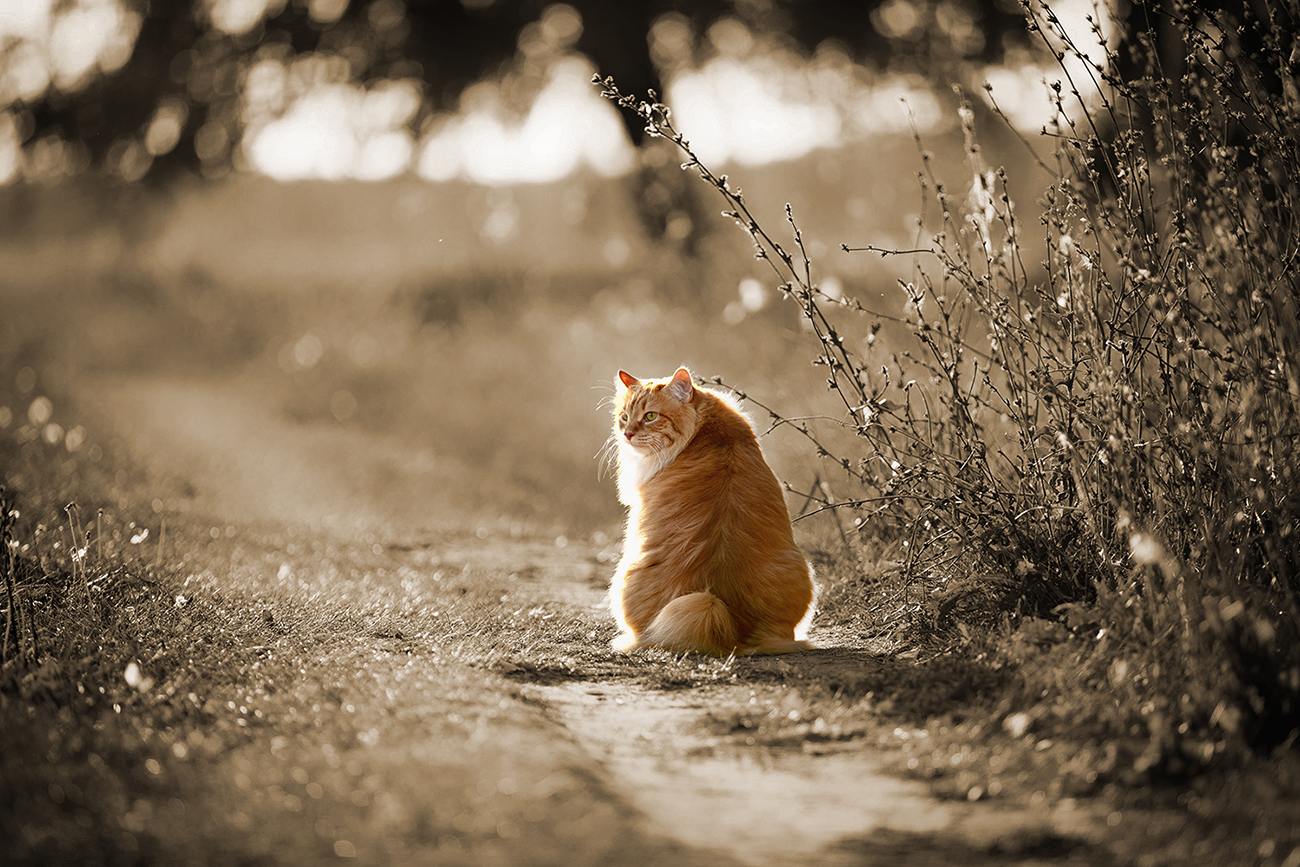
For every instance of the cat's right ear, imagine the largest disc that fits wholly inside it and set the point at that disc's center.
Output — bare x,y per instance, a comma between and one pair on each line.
627,379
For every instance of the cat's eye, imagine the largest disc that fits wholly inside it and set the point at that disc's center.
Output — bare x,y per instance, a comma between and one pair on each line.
622,416
651,416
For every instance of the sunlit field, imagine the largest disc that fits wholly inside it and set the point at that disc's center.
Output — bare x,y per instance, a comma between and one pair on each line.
435,350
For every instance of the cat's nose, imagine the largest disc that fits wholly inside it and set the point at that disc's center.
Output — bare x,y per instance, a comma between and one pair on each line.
629,434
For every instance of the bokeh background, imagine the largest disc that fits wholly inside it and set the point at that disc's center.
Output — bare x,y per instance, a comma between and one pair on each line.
368,262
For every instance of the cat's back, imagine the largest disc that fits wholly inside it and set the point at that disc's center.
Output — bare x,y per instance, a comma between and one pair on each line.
720,481
723,443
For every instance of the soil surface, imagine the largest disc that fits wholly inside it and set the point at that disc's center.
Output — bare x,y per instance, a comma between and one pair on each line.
409,734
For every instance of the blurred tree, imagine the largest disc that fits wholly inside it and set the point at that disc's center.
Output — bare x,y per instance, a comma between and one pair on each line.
173,104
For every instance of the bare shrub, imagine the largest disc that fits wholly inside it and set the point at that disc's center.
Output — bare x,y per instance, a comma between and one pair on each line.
1098,420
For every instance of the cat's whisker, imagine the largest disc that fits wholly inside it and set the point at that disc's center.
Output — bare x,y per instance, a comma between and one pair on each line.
608,456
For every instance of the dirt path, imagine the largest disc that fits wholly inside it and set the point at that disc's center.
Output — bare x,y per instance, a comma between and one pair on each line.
474,748
710,790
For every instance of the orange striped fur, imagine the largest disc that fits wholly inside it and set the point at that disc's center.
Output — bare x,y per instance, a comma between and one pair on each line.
709,560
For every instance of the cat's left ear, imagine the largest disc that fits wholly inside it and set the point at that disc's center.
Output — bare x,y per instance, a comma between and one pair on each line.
627,379
680,387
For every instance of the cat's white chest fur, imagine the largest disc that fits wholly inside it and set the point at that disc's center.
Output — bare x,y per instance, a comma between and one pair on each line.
636,468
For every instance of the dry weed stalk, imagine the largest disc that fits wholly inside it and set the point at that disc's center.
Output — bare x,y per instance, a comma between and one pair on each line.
1103,428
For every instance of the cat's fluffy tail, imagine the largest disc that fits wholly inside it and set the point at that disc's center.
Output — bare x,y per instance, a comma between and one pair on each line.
695,622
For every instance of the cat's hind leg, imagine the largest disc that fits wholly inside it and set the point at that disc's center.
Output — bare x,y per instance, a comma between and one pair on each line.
768,645
625,642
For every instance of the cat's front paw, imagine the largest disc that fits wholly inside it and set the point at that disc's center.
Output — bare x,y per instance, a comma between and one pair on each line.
625,643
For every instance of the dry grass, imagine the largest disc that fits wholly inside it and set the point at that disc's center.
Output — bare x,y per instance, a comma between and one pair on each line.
1085,447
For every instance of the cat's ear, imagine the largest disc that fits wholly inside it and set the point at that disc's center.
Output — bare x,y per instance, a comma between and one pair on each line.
680,387
627,379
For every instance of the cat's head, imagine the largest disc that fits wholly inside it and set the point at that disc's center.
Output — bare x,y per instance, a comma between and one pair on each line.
655,416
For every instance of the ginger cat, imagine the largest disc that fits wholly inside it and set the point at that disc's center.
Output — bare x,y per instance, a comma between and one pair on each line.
709,560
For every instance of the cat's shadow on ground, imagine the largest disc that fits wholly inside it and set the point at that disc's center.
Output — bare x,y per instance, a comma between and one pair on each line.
833,667
915,688
820,659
